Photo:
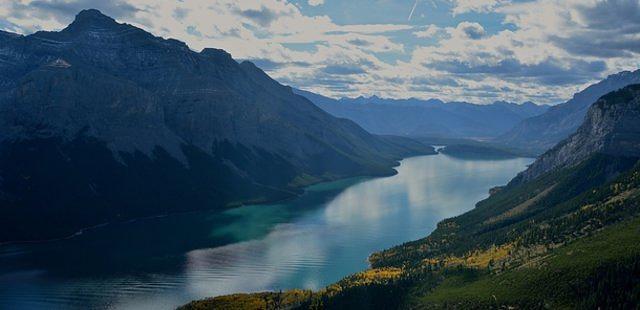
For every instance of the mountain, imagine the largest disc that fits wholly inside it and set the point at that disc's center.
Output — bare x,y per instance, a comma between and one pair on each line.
561,235
611,127
103,121
428,118
539,133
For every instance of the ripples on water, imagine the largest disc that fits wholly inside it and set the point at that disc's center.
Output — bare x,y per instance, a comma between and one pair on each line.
308,242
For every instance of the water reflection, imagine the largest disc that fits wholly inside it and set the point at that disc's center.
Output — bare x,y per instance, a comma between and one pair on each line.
308,242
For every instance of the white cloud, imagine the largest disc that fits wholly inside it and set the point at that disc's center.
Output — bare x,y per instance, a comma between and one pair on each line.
472,31
550,49
481,6
428,32
316,2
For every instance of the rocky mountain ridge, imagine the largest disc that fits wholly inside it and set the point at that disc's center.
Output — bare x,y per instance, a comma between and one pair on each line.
103,121
611,127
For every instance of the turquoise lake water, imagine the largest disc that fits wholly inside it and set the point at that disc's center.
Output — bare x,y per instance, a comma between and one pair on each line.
307,242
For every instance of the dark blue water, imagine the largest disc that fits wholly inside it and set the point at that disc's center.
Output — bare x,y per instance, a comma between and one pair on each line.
307,242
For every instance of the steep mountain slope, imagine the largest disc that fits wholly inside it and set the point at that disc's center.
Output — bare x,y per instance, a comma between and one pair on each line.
563,234
428,118
103,121
539,133
611,127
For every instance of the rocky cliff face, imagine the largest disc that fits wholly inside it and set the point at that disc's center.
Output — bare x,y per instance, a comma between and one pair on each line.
612,127
540,133
104,121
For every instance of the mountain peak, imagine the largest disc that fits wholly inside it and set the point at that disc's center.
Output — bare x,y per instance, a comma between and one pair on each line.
623,74
7,36
92,18
91,14
502,102
215,53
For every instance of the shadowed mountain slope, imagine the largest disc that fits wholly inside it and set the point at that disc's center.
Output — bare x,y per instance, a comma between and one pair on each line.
103,121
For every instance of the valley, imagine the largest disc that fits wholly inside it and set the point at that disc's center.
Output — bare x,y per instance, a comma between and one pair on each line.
561,234
316,154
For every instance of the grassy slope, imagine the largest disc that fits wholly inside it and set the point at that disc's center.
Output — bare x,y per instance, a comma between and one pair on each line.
572,276
257,301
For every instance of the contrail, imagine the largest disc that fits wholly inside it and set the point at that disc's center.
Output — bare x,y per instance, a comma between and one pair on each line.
413,10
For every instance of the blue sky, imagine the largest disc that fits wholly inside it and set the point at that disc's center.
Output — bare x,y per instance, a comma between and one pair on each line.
465,50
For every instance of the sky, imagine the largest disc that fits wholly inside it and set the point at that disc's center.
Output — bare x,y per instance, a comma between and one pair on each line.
477,51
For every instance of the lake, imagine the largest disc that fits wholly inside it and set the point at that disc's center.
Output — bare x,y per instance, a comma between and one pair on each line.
306,242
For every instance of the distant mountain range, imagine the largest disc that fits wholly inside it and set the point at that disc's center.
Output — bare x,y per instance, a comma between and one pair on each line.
521,128
103,121
428,118
539,133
